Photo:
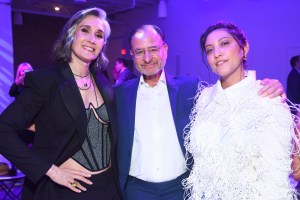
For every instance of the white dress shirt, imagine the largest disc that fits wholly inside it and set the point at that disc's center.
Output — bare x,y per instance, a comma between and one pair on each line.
156,153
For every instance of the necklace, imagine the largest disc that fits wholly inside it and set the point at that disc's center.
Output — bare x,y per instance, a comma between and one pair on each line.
93,110
81,78
86,86
98,126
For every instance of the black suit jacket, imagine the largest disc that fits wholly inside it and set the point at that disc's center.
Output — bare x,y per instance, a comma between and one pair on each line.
14,90
52,100
293,86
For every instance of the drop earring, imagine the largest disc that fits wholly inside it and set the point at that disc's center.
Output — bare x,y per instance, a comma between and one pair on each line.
97,62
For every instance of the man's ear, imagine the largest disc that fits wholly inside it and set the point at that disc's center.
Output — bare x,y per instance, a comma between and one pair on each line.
166,47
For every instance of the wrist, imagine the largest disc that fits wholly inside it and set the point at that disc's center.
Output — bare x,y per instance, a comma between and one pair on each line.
50,173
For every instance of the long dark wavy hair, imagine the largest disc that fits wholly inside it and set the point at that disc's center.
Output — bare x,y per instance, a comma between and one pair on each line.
63,47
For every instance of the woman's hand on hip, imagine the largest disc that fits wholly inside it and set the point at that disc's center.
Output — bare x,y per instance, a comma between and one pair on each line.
69,177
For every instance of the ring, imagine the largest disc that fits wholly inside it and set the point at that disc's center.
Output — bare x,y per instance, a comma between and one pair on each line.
74,184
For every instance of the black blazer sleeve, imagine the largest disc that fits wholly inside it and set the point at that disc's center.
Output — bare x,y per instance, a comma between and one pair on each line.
15,118
14,90
293,86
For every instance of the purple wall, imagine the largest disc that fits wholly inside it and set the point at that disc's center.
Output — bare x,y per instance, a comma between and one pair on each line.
6,56
33,41
272,28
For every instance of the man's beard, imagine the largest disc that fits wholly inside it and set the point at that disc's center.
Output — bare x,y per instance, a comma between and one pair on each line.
147,72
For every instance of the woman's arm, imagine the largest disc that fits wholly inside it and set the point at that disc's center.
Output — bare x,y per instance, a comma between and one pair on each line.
15,118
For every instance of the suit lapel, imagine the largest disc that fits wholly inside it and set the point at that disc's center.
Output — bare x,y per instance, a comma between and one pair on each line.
104,88
106,91
102,84
173,92
173,95
131,95
72,100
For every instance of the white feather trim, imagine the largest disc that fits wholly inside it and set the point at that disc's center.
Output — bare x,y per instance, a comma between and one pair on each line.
240,150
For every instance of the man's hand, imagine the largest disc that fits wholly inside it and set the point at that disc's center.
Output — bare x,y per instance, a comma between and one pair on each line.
272,88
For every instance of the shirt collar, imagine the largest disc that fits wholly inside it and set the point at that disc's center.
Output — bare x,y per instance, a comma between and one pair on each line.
250,77
162,79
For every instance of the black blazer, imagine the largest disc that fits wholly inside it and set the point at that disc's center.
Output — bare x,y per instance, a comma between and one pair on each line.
293,86
15,90
52,100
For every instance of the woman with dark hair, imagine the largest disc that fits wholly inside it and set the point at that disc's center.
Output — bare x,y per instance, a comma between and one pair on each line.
72,106
240,143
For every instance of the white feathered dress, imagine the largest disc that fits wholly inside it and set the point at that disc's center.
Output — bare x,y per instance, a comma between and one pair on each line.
240,144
